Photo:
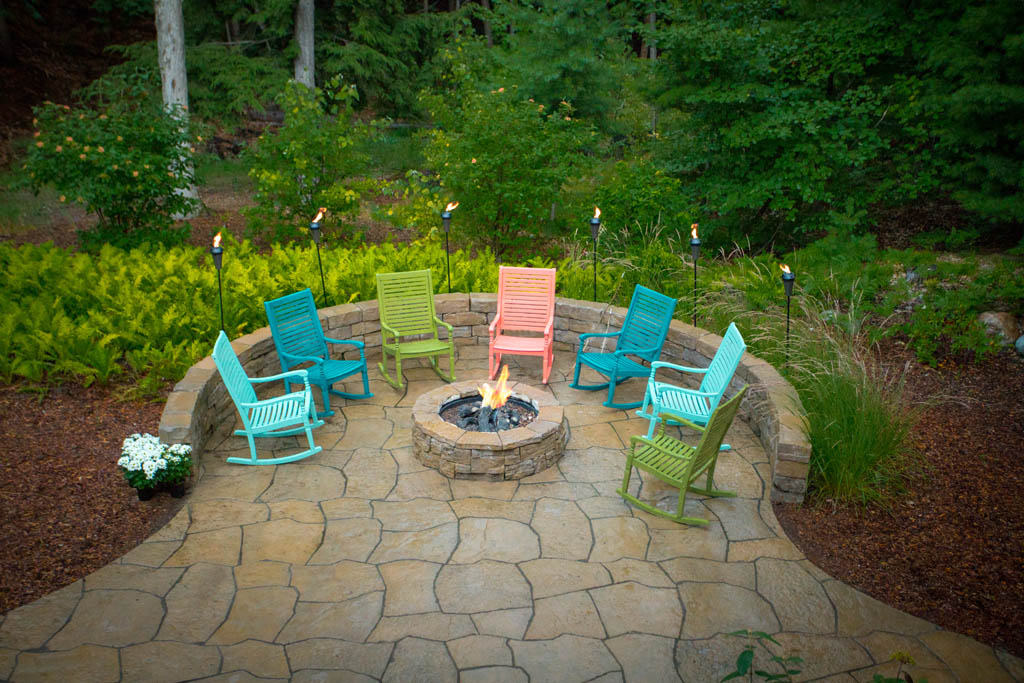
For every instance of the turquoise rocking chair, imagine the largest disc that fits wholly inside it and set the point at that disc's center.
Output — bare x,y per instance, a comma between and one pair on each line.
287,415
642,336
299,338
696,405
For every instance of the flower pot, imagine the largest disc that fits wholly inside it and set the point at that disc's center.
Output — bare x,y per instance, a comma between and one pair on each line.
177,490
144,494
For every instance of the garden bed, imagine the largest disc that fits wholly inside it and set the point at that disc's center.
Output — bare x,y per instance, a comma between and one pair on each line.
948,549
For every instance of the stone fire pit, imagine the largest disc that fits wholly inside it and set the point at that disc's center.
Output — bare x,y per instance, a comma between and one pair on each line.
490,456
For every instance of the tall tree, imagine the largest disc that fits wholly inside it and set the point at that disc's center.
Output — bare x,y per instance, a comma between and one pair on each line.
170,45
304,61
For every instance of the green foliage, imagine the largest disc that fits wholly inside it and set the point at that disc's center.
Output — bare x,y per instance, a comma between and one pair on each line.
384,50
564,50
307,163
152,312
505,160
636,194
785,664
789,113
976,55
128,164
224,84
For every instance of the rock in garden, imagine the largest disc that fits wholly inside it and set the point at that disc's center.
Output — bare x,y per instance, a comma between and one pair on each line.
1001,325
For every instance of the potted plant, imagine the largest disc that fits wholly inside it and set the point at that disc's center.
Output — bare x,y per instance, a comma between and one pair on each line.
149,465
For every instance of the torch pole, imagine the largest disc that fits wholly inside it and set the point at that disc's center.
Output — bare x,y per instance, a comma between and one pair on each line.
448,262
595,228
595,270
220,300
695,292
323,284
787,330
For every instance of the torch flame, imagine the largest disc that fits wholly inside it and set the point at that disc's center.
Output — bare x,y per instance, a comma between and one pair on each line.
785,268
597,212
451,206
319,215
693,231
496,397
216,240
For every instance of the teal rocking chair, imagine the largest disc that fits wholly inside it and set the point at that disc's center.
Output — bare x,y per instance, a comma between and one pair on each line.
287,415
678,464
299,339
696,405
642,336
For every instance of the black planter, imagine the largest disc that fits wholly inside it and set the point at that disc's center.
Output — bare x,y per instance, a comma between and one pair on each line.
145,494
177,490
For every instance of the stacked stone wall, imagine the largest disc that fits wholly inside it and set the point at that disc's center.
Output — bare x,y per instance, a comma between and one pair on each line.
200,402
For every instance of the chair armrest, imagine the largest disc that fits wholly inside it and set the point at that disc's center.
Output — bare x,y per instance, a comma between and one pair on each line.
495,325
390,330
634,352
294,359
664,415
287,398
682,368
353,342
291,373
587,335
549,328
451,330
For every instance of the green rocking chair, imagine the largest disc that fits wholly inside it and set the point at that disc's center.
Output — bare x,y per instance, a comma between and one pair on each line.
286,415
679,465
406,303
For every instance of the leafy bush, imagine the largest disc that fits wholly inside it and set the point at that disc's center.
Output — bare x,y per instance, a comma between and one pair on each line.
637,194
307,163
152,311
505,160
128,164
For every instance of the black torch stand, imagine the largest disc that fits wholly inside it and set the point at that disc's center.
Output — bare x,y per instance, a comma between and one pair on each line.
446,220
218,255
595,227
314,228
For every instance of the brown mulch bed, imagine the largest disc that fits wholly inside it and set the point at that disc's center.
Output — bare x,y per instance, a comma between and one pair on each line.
951,548
65,509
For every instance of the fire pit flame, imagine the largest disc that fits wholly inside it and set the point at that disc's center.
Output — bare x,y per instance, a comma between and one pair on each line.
496,397
493,412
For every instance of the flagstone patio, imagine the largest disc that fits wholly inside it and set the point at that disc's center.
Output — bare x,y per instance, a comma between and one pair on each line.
361,564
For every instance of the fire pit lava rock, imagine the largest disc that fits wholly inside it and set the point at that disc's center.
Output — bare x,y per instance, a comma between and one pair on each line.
511,453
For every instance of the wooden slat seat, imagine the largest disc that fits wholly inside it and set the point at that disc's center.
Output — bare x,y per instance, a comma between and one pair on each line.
526,303
406,305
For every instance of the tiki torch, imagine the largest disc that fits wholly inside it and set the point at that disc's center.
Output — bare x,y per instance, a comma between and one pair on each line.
787,283
218,255
314,229
695,252
595,227
446,220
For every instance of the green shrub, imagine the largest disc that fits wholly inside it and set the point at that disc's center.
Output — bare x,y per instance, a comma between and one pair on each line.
505,160
127,164
637,194
307,163
152,312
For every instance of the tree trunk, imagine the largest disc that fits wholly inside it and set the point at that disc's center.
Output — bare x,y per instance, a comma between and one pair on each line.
305,61
487,24
653,47
170,46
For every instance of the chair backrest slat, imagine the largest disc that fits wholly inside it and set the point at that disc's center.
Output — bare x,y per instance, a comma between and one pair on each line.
647,321
232,373
724,364
714,433
295,326
526,297
406,302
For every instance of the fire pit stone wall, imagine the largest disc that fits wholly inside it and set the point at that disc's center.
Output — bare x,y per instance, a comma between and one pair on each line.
507,454
200,405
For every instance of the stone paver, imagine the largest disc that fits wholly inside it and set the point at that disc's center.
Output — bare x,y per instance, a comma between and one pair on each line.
359,564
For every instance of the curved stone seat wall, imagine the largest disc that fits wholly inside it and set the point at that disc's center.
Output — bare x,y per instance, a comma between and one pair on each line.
200,402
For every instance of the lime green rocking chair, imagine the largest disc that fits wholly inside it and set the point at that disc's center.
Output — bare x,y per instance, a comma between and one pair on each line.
678,464
408,324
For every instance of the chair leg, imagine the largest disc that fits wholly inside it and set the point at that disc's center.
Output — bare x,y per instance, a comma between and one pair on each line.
396,383
325,391
548,361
